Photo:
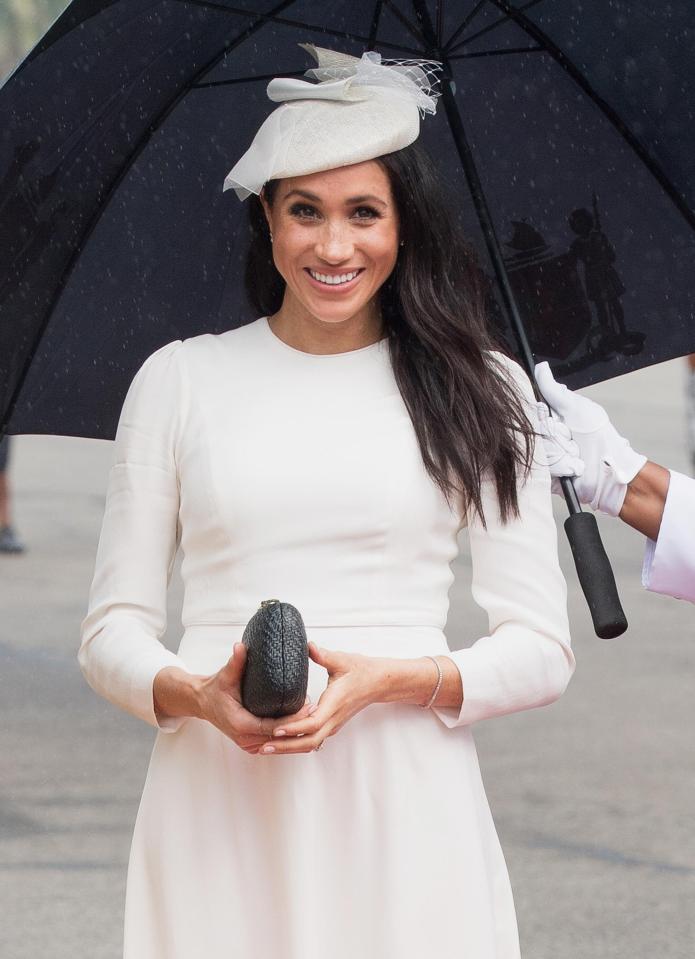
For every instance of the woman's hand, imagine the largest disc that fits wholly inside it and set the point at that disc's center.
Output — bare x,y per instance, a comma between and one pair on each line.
219,699
354,681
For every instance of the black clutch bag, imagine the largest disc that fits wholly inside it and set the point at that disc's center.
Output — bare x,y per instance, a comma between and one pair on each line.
277,660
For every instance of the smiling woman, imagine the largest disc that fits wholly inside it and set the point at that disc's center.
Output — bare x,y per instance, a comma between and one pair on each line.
328,453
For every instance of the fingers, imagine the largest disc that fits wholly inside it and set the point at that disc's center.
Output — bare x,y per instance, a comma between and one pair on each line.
551,426
225,710
234,667
562,451
251,731
299,743
556,394
324,657
308,725
293,717
305,727
543,414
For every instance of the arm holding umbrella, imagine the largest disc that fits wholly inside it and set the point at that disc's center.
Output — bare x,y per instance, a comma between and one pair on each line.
612,478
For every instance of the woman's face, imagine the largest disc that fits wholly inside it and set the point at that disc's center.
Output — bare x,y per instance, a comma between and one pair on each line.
334,223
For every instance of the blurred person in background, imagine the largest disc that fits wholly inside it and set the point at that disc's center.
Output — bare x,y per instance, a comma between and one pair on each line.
611,477
9,542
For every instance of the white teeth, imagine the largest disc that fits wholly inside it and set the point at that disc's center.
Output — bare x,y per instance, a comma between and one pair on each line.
334,280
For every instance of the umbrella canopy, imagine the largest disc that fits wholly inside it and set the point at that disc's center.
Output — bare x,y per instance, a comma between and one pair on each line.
569,126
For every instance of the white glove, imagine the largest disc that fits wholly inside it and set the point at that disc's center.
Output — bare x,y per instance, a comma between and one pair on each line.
562,453
609,462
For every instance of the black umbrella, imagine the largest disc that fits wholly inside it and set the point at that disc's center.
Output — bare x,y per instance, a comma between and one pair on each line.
563,132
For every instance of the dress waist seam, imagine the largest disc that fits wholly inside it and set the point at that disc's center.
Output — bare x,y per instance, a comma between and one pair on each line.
321,625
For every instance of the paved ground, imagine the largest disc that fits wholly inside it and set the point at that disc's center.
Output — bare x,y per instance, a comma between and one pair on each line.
593,796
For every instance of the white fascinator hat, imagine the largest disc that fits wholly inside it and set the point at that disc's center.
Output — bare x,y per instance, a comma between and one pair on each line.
361,108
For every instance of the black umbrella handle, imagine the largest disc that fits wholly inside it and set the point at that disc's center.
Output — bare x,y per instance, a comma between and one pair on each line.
593,567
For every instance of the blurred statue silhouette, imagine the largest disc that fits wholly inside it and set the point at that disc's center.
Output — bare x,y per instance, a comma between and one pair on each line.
604,287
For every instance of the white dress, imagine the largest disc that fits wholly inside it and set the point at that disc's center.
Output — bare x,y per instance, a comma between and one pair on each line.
298,476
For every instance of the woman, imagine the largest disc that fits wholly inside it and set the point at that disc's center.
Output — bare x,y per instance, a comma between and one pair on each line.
328,453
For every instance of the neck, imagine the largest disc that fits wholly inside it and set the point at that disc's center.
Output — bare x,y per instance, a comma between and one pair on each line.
304,331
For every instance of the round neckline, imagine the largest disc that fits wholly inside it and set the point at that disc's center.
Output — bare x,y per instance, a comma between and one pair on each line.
317,356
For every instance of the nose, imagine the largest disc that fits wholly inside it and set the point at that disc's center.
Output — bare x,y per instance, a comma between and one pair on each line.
335,243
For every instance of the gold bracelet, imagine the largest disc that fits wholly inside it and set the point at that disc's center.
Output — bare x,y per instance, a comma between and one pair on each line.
436,688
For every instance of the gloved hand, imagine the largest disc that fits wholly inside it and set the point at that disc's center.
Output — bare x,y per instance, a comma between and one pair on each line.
584,443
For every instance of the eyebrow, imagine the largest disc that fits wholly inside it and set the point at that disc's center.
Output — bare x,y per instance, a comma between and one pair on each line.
317,199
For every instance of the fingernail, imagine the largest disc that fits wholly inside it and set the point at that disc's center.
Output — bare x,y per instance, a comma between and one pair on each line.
279,732
268,749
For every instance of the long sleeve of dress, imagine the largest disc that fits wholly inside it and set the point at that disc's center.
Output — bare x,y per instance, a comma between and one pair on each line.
121,649
669,561
526,659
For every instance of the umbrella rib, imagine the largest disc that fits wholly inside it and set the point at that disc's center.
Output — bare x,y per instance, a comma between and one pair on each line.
491,26
651,162
411,28
462,26
496,53
374,28
322,28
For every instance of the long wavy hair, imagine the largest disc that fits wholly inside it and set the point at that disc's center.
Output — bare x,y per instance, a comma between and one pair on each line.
466,412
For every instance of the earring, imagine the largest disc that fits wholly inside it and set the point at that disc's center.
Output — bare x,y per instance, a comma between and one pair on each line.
402,243
271,237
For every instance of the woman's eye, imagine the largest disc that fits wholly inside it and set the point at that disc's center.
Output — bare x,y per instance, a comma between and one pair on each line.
304,211
299,208
371,212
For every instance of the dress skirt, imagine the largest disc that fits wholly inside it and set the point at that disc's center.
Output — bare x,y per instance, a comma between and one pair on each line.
379,846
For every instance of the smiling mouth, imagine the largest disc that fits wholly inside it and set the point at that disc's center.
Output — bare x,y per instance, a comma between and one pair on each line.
335,281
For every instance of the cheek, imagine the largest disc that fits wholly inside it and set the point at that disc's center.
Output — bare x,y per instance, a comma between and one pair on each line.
383,248
289,244
389,258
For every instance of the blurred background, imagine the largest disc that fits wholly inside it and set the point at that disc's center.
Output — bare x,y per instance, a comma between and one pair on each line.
22,22
593,796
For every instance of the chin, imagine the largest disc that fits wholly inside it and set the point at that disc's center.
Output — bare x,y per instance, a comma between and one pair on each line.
333,316
332,312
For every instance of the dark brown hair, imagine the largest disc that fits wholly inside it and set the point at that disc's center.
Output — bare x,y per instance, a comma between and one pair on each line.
466,411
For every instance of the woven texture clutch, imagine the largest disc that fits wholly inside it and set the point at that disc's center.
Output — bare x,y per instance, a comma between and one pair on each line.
276,676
